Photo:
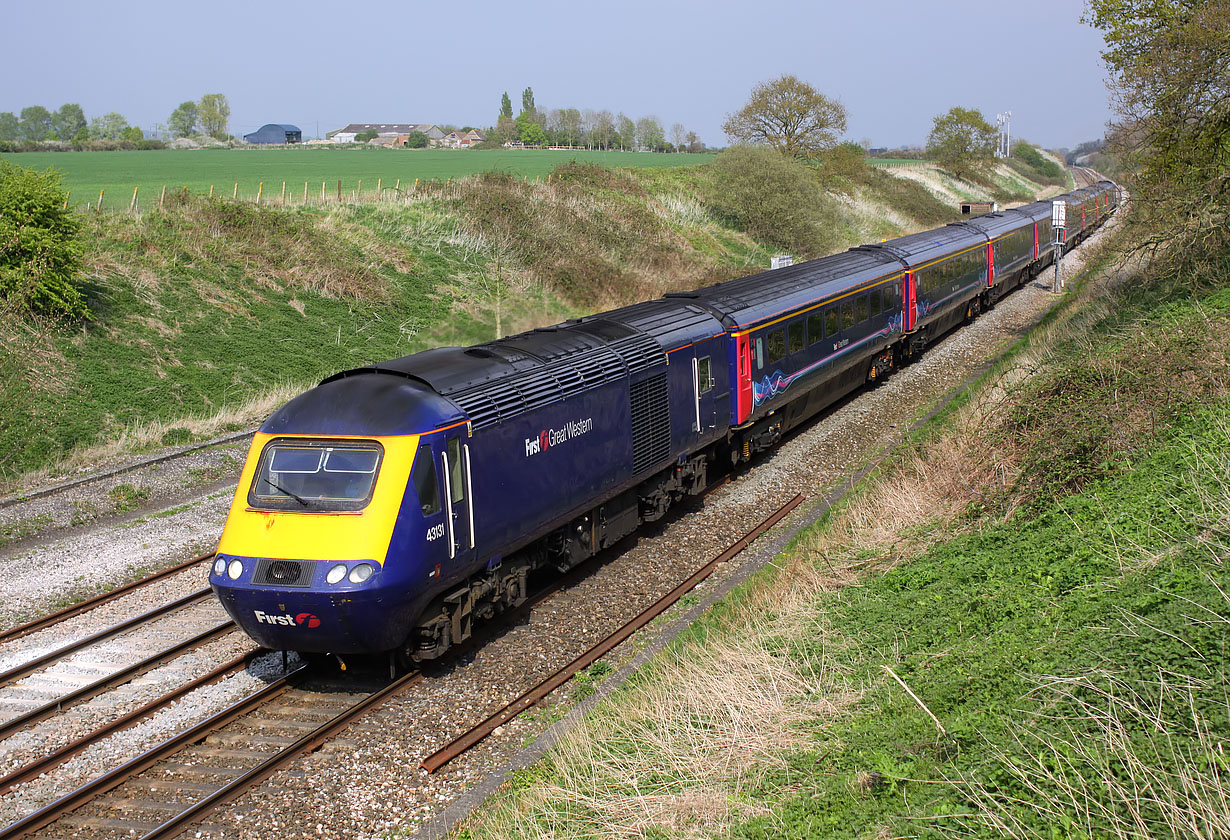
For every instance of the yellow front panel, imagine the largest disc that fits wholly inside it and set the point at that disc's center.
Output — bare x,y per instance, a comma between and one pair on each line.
335,535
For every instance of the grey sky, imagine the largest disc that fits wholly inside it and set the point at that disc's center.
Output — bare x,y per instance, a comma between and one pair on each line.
894,64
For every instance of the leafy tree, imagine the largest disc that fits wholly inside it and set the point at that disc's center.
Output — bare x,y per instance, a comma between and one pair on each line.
214,112
133,134
40,257
108,127
68,121
35,123
364,136
506,129
694,144
10,126
527,102
626,129
505,106
649,133
533,135
416,140
963,142
183,119
1170,86
789,115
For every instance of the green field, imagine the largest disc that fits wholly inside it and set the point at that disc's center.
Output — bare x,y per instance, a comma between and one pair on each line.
117,173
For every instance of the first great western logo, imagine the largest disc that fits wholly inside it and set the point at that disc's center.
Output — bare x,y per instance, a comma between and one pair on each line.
548,438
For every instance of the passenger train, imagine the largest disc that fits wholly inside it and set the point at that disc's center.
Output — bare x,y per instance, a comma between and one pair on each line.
386,509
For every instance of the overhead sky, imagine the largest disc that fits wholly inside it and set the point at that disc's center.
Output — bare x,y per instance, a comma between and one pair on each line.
320,64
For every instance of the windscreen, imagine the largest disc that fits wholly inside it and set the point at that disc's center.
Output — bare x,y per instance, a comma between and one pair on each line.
316,475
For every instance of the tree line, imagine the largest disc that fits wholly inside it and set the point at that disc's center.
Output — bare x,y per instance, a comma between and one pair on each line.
586,127
35,124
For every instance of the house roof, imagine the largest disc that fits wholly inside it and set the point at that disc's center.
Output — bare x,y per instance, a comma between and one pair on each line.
384,128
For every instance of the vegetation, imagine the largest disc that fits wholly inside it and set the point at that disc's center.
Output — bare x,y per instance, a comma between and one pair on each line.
40,257
790,116
1030,162
1168,61
963,143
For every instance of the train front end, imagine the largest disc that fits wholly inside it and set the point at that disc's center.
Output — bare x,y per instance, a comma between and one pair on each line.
324,549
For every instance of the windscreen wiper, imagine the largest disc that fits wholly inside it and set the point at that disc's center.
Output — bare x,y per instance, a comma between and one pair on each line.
294,496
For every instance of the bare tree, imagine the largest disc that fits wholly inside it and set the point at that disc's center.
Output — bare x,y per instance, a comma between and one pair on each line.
604,129
678,135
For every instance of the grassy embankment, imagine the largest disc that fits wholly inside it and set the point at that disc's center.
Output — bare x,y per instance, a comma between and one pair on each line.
207,314
245,170
1044,566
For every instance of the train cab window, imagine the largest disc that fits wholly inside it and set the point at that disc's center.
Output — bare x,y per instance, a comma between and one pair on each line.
832,322
455,480
876,308
847,315
815,328
426,485
758,352
704,374
777,346
796,336
316,475
860,305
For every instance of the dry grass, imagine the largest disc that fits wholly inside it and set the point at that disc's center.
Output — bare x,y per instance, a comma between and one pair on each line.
674,757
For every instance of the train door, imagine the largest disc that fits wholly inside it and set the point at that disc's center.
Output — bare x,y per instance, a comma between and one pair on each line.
705,390
458,497
743,377
910,302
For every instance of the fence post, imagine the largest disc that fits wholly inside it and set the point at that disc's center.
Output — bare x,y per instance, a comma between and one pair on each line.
211,190
359,194
235,193
67,195
162,198
283,193
99,207
132,205
305,192
379,189
339,189
322,192
260,188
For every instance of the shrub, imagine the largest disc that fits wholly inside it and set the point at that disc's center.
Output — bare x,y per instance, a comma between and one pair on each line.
40,258
774,198
364,136
416,140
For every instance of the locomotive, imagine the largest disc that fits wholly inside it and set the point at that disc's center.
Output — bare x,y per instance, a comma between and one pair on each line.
386,509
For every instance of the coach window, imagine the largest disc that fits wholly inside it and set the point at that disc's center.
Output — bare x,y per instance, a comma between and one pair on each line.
777,346
758,352
796,336
815,328
423,474
847,314
832,322
861,309
875,303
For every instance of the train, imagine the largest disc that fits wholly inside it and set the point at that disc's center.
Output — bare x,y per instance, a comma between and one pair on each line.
391,507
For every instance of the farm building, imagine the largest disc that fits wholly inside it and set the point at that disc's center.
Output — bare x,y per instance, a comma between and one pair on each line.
347,134
278,134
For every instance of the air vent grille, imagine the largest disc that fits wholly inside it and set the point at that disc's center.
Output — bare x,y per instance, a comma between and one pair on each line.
651,422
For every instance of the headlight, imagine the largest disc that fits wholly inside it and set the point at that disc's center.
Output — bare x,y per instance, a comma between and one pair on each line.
219,567
361,573
336,574
234,570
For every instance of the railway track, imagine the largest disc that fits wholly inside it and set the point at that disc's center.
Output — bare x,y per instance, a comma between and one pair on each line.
179,781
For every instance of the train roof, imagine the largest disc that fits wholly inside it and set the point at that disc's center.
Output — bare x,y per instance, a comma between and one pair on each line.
378,406
760,297
997,224
919,248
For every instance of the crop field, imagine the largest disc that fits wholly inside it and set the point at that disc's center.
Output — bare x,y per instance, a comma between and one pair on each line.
241,171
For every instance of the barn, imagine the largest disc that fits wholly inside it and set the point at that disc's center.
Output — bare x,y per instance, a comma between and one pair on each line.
278,134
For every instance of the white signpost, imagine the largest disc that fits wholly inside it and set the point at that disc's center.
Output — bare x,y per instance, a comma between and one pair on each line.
781,261
1059,216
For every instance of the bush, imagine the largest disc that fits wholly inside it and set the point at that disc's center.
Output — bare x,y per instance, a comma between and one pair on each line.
40,258
416,140
364,136
775,199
